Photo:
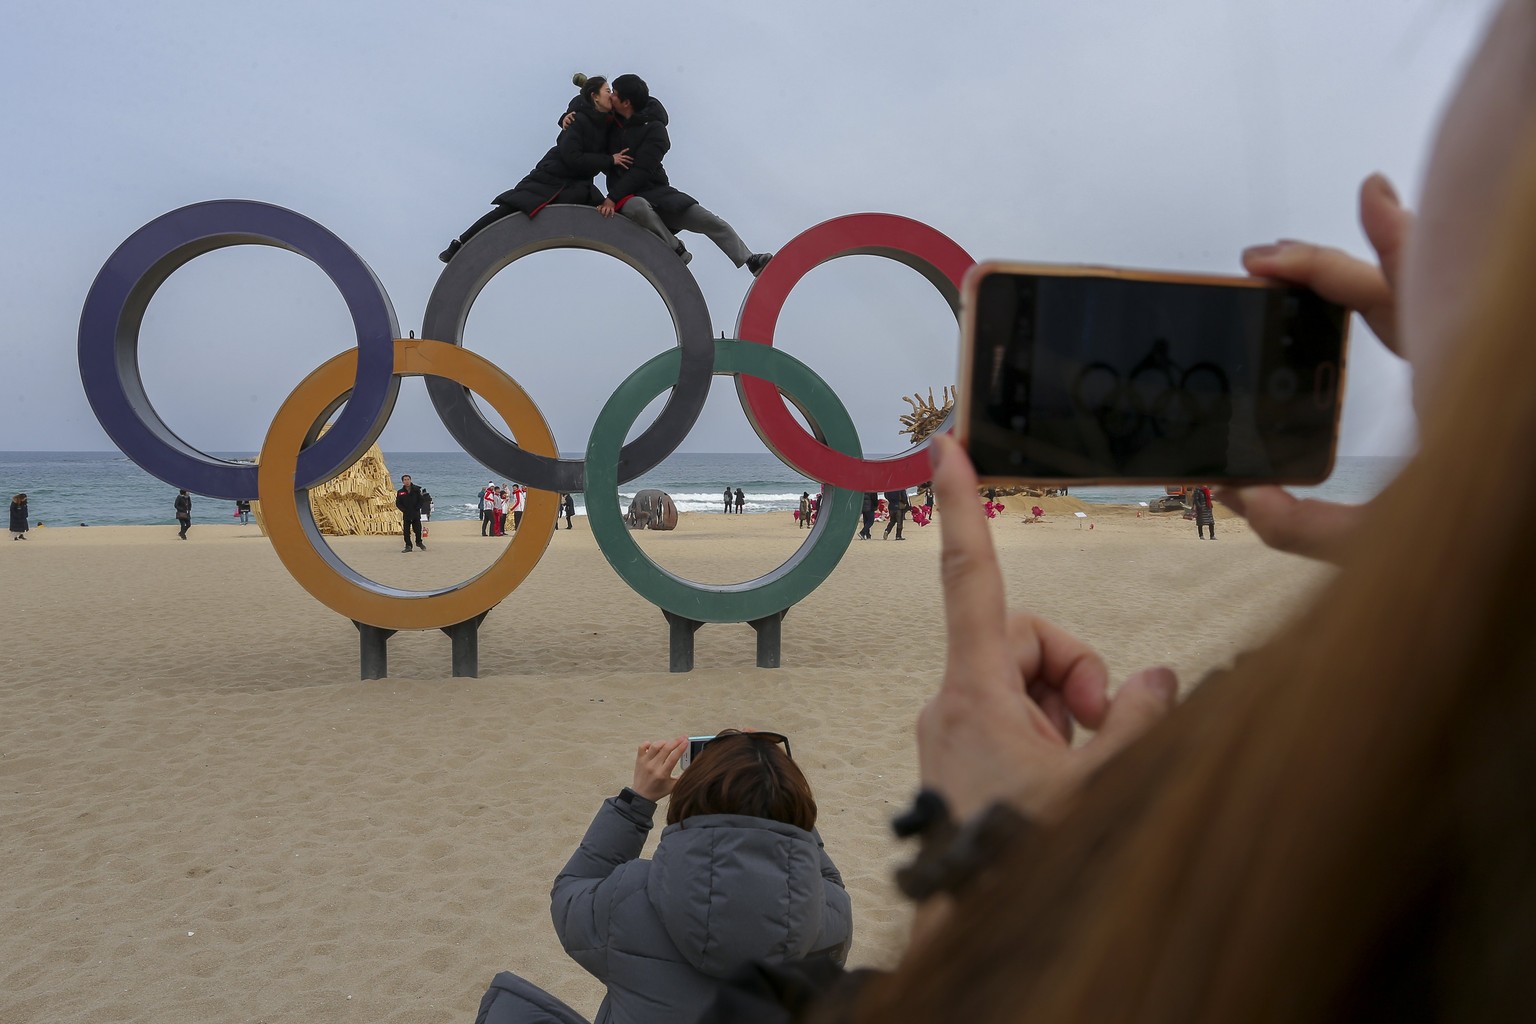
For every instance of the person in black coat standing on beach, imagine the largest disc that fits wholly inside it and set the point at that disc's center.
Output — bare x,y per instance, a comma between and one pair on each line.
184,512
565,173
568,508
896,505
871,506
408,501
642,191
1205,512
19,515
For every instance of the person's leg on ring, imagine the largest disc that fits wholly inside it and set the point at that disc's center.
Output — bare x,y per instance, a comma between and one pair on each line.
697,218
645,215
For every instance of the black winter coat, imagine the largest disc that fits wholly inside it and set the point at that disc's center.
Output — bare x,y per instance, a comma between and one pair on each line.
408,501
18,517
645,136
566,171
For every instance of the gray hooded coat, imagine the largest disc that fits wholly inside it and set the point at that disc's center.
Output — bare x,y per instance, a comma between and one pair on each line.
722,890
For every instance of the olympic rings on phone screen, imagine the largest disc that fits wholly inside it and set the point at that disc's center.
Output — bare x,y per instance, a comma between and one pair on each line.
114,314
908,242
779,589
504,242
290,522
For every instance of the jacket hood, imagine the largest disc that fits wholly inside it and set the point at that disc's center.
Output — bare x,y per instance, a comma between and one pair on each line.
730,889
652,111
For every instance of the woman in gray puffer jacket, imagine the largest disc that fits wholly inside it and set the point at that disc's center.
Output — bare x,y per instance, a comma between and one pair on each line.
740,876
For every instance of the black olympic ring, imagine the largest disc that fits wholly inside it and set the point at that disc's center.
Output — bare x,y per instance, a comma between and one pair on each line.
1174,412
570,227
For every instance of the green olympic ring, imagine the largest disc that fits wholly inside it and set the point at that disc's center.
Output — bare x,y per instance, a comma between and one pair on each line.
782,587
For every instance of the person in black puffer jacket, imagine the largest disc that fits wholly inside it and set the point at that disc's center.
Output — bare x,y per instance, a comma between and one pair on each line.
739,877
642,192
565,173
19,515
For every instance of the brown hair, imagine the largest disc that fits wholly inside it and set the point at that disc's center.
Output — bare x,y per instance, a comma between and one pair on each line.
1341,827
744,773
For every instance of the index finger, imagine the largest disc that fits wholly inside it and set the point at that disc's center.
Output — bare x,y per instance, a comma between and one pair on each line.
974,608
676,753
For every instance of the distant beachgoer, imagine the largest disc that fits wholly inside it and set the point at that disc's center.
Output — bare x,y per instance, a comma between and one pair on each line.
499,504
871,505
487,509
183,512
408,501
741,500
519,492
815,507
803,520
243,510
565,173
568,507
19,517
896,504
730,499
739,876
1205,513
928,499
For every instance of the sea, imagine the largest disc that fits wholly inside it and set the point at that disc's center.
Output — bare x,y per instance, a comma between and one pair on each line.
107,489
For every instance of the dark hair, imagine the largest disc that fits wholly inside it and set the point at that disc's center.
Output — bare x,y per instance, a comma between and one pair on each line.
589,86
632,88
740,773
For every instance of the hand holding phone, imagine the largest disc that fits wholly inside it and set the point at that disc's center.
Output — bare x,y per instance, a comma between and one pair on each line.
654,762
1095,375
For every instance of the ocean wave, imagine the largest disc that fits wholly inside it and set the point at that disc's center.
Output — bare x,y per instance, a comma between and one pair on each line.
718,497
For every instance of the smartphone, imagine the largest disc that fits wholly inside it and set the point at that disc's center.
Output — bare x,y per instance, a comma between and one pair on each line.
1095,375
695,744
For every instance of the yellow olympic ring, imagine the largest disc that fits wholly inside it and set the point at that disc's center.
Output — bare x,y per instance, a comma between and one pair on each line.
320,571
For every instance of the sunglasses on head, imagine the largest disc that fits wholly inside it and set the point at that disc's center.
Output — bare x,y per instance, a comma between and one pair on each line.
696,744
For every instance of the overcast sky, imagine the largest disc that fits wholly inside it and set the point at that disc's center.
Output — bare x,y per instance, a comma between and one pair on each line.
1166,134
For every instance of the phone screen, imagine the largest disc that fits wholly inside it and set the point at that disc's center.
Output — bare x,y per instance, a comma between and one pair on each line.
1114,378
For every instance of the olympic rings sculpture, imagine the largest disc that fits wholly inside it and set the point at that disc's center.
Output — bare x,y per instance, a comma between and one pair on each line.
296,457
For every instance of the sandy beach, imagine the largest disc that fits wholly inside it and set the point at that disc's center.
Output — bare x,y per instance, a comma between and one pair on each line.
206,815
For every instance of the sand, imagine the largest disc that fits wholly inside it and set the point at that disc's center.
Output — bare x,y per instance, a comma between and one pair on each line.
206,815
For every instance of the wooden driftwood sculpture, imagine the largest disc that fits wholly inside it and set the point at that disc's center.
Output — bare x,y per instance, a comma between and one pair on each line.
359,502
928,415
651,510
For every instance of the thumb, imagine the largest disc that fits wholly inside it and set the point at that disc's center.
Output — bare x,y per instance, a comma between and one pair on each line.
1142,701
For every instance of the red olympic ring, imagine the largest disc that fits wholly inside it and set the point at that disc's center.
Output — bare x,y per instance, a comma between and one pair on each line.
932,254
